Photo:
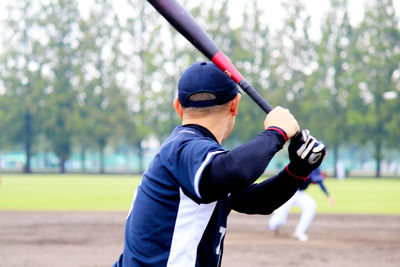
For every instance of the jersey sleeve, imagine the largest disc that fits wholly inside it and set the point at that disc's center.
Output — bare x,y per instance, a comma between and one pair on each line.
189,163
265,197
238,168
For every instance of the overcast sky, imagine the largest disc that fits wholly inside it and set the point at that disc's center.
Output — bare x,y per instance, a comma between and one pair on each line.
272,8
274,12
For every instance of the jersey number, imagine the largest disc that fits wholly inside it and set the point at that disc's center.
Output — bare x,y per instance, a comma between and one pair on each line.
222,231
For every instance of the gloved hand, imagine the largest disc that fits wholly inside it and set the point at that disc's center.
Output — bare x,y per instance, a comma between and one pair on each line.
305,154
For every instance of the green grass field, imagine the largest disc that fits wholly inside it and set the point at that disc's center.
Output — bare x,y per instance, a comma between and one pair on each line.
67,192
359,195
114,193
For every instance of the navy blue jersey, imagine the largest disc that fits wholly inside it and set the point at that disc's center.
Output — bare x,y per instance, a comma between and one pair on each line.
169,225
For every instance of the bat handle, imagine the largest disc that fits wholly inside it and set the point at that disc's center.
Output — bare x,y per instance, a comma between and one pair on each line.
260,101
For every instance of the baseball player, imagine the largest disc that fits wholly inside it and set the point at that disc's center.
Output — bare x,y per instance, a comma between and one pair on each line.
305,202
179,214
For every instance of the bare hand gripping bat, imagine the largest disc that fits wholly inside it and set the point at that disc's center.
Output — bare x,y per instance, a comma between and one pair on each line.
184,23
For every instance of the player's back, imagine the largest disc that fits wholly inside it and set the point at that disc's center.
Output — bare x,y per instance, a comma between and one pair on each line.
167,220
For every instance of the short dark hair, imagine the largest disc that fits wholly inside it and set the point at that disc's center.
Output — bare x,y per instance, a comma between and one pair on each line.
204,97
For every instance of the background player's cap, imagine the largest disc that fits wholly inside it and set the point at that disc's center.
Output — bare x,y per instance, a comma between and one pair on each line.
205,77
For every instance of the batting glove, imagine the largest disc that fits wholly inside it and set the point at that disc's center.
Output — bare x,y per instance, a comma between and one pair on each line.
305,154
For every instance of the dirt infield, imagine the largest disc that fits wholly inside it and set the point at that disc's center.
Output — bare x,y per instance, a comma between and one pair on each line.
58,239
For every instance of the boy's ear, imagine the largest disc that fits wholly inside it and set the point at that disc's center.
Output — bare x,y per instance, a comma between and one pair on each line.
178,107
235,104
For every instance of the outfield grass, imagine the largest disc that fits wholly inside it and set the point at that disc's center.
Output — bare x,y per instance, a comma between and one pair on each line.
359,195
114,193
67,192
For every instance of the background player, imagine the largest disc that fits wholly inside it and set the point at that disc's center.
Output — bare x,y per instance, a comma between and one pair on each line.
179,216
303,201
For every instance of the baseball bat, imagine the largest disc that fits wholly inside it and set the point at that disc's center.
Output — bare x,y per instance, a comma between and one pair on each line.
184,23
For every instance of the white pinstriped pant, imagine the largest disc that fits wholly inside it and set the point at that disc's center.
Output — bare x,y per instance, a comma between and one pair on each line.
301,200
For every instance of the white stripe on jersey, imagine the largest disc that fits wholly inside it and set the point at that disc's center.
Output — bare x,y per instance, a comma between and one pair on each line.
191,222
200,171
184,131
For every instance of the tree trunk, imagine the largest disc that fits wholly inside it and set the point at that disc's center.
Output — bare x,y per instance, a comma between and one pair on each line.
62,165
335,159
141,156
378,158
128,159
83,158
28,142
102,159
27,167
63,151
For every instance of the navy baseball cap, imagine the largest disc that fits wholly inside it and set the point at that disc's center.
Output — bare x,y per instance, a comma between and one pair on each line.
205,77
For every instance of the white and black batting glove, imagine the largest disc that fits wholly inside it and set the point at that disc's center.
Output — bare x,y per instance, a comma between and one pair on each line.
305,153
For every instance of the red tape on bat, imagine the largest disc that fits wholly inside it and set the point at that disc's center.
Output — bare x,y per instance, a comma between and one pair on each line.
223,62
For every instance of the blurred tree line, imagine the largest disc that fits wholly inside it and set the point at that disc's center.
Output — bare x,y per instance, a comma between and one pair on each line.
73,81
